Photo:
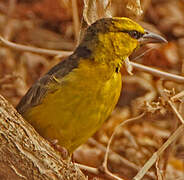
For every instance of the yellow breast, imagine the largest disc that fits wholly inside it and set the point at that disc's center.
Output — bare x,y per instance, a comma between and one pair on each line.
80,104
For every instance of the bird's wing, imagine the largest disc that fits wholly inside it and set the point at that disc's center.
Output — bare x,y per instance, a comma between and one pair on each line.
37,92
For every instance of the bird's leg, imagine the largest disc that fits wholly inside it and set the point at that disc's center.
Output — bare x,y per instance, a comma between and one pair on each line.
62,150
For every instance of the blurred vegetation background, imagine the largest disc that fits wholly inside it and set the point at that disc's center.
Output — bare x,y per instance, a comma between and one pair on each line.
55,25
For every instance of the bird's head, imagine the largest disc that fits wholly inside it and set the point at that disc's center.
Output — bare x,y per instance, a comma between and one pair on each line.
112,39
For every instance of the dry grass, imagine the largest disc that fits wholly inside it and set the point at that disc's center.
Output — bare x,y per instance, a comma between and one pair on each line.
54,25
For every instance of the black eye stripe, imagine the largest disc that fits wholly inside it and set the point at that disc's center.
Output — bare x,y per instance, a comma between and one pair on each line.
134,34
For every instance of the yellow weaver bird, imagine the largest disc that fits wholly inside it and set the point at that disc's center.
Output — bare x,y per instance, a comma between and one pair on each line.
72,100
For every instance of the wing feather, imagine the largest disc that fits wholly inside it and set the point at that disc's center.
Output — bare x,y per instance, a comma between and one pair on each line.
36,93
39,89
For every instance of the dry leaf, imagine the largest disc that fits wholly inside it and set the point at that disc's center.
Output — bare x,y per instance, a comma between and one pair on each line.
135,7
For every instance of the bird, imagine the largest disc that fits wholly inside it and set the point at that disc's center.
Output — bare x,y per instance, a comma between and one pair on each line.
74,98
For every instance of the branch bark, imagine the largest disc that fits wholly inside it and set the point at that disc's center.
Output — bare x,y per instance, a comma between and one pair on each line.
24,154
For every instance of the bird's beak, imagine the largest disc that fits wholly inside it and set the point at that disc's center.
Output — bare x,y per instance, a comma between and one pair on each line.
150,37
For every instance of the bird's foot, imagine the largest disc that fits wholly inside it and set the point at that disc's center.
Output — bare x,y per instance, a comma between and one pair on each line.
63,151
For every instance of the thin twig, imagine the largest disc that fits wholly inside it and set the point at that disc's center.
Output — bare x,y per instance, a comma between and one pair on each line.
154,157
159,73
76,19
113,175
95,171
176,111
122,160
88,168
34,49
153,71
177,96
128,66
110,140
159,173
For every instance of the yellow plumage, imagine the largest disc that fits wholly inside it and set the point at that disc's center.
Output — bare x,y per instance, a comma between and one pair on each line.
75,97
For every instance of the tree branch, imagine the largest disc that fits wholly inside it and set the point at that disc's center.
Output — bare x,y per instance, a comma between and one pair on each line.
25,154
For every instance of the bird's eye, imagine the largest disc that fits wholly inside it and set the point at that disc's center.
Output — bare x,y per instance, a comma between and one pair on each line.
135,34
